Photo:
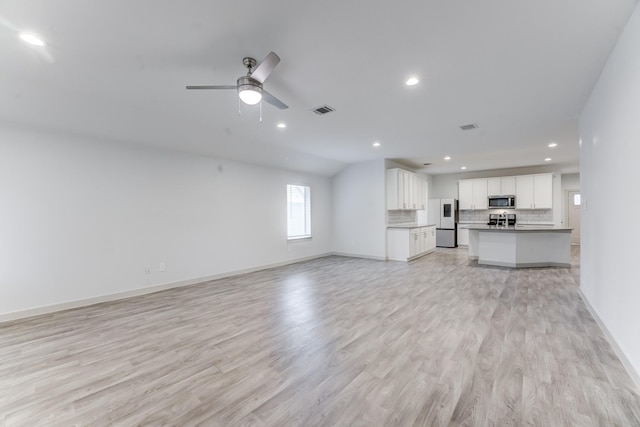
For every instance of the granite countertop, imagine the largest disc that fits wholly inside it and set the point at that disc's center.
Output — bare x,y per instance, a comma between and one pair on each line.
525,228
409,225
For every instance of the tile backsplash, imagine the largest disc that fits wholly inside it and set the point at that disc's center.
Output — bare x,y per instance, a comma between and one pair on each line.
528,216
400,217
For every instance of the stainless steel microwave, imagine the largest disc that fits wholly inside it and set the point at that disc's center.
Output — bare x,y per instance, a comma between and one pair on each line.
502,202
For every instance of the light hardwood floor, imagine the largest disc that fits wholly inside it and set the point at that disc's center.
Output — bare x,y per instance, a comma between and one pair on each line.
333,341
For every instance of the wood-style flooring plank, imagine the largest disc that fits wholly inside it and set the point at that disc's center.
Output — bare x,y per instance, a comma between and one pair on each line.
439,341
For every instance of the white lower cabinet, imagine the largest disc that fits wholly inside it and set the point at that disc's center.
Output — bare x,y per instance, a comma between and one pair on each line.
463,236
405,244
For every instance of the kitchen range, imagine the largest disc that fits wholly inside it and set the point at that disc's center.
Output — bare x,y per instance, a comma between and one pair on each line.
502,219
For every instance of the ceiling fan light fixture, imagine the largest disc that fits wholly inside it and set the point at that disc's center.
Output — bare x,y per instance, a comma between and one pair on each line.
249,90
250,95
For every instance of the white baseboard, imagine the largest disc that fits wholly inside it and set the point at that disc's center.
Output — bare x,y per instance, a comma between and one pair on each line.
635,377
16,315
350,255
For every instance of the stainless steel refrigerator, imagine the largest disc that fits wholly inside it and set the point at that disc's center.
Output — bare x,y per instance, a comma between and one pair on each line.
444,214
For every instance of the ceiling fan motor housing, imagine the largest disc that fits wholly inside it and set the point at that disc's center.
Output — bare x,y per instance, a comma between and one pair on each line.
247,83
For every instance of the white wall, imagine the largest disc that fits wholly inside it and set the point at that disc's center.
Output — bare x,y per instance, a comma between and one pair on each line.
610,149
359,209
80,219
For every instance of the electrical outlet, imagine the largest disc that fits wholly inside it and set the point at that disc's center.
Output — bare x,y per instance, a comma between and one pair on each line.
161,266
147,269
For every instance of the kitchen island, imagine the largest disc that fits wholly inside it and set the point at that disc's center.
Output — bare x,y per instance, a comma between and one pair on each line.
520,246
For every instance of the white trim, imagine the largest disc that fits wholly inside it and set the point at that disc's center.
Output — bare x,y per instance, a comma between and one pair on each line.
350,255
16,315
635,376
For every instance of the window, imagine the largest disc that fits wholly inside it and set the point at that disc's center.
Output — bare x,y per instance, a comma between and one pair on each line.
298,212
576,199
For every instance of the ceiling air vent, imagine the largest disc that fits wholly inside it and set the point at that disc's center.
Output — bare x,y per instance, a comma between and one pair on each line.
323,110
469,126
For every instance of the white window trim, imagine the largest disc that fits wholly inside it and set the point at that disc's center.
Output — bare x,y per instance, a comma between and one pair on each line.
307,213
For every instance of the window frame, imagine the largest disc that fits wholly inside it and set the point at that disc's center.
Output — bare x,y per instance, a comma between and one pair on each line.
306,225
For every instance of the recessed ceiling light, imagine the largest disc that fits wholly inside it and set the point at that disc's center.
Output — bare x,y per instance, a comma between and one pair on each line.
463,167
376,144
548,159
31,39
553,144
447,157
281,125
412,81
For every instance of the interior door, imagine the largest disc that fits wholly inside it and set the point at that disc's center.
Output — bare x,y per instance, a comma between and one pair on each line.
573,217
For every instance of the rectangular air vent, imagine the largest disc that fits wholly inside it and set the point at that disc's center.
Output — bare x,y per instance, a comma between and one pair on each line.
469,126
323,110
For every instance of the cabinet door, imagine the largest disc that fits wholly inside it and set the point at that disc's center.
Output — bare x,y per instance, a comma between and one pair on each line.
524,192
493,187
404,186
508,186
394,189
465,194
413,191
463,236
432,238
480,198
398,244
543,191
414,243
422,193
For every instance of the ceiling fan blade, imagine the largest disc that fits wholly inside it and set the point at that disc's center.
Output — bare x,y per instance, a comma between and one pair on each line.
267,97
262,71
213,87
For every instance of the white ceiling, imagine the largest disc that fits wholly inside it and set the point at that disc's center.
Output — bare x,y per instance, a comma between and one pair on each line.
522,70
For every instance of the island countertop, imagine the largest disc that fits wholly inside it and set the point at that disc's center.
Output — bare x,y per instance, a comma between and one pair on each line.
518,228
409,225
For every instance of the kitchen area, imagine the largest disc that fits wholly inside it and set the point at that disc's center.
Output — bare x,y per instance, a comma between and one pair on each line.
504,221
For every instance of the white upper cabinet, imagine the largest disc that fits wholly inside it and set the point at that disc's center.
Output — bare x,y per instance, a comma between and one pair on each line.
524,192
508,186
534,191
505,186
422,193
405,190
493,187
543,191
531,191
465,194
472,194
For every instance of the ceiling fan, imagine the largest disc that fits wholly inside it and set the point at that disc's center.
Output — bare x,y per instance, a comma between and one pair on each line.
249,87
